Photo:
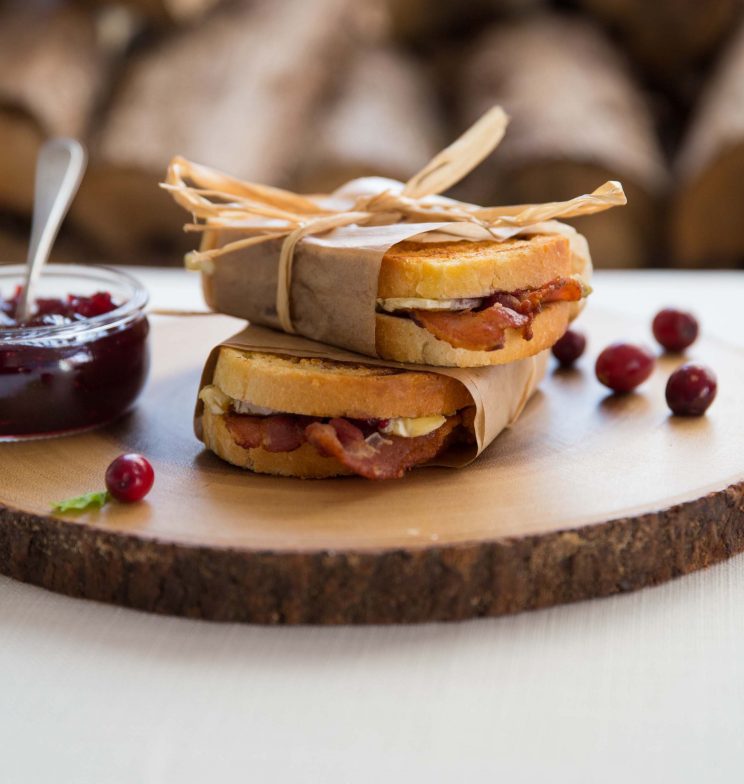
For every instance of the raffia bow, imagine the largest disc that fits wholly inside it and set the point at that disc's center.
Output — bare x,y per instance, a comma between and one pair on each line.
218,201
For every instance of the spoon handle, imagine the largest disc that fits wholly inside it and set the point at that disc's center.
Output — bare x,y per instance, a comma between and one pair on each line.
59,169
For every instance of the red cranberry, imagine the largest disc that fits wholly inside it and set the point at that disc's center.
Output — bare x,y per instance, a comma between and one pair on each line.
675,329
129,478
569,348
691,389
623,366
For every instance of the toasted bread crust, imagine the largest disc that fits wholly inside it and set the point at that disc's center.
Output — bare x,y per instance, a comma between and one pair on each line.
304,463
324,388
402,340
449,270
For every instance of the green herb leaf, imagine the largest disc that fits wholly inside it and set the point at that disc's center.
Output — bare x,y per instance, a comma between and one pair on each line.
82,502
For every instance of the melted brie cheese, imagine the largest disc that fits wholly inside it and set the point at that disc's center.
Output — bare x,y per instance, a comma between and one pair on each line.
465,303
412,427
215,400
413,303
218,403
244,407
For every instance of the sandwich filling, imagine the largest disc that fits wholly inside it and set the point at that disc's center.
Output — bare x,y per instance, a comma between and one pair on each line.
480,323
372,448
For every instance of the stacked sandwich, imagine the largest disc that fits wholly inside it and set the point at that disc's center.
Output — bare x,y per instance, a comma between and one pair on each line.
455,330
450,303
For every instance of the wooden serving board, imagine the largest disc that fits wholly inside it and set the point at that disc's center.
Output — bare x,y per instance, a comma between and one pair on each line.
586,496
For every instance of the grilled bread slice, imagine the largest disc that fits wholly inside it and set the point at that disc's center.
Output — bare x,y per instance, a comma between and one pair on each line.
324,388
461,269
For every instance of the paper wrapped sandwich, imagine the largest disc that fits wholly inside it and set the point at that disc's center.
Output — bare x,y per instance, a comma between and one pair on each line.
278,404
394,270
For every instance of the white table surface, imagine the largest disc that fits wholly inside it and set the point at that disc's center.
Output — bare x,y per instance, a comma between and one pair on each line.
643,687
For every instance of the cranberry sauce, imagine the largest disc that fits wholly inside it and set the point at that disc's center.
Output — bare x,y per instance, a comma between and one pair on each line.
69,367
55,312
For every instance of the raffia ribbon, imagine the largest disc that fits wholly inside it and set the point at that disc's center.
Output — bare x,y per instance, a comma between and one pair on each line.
218,201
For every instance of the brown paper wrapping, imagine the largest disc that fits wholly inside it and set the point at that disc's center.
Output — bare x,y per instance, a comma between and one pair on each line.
310,264
333,296
499,393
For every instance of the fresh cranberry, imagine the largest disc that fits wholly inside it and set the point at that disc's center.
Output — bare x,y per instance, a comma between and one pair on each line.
675,329
623,366
569,348
129,478
691,389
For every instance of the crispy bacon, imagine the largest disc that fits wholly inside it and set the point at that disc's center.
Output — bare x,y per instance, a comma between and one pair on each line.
389,459
558,290
280,433
485,329
377,456
482,330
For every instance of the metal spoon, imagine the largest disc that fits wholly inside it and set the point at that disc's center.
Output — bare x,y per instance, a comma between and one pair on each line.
59,169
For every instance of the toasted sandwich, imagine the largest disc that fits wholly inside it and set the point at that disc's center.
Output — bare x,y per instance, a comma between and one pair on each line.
314,418
453,304
465,304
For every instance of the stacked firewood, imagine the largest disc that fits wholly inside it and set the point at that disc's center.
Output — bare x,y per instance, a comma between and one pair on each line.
307,94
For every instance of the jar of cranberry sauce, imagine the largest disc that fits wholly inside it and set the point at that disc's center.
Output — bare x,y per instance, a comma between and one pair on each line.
80,360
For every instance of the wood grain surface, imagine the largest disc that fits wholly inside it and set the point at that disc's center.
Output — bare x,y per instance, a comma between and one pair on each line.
587,495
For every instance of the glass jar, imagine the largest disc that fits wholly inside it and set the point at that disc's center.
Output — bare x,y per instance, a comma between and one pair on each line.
65,378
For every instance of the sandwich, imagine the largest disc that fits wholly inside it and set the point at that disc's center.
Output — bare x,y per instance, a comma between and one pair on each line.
466,304
456,303
315,418
394,270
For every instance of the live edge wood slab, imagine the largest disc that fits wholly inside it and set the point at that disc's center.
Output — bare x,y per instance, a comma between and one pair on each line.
588,495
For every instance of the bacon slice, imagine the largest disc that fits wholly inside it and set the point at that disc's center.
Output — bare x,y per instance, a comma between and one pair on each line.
485,329
390,459
380,457
482,330
558,290
280,433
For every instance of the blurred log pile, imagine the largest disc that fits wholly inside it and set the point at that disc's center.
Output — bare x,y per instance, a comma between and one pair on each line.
307,94
578,120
